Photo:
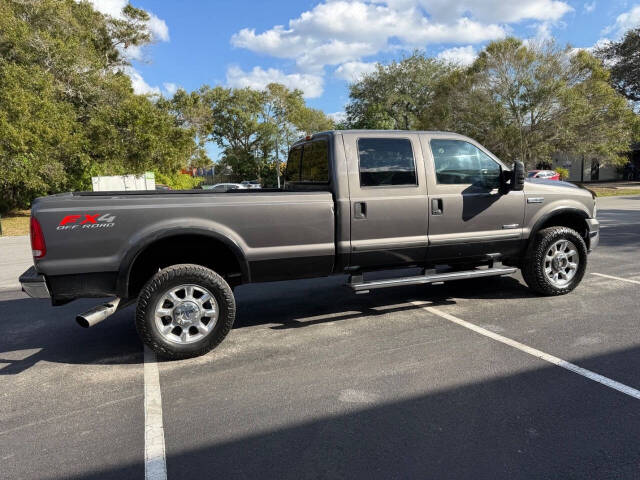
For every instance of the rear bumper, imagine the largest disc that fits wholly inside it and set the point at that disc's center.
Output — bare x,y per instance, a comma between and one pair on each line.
34,284
593,235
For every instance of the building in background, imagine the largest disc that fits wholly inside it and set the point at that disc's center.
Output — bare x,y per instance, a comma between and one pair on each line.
583,168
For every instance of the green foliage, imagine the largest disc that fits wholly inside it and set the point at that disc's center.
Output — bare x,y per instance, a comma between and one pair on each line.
523,101
528,101
253,128
623,58
178,181
563,172
394,96
67,111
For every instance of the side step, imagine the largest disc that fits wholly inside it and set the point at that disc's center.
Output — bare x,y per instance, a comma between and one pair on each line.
358,284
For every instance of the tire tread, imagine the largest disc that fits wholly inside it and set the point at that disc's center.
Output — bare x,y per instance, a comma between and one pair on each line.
167,275
532,270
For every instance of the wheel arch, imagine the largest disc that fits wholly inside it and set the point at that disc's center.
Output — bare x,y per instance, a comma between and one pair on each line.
191,239
570,217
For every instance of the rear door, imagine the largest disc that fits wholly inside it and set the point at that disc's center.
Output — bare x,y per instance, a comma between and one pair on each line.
388,197
469,214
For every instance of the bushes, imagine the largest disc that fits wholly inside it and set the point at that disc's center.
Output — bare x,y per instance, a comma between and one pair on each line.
178,181
563,172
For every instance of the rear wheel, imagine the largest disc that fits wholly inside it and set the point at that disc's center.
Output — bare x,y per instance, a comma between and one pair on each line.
184,311
556,261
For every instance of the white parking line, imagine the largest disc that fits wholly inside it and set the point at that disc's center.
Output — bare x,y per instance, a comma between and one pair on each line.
632,392
155,464
616,278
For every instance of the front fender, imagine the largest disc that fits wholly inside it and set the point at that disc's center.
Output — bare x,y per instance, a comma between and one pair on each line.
535,219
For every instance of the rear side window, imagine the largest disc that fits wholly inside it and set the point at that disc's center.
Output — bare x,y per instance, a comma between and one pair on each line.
315,162
293,165
309,163
386,161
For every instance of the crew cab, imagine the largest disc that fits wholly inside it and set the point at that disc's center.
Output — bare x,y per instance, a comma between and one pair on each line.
353,202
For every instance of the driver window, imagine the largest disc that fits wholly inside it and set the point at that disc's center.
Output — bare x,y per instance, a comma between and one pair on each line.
460,162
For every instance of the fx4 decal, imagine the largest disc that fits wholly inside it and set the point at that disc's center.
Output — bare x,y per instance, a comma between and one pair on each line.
85,221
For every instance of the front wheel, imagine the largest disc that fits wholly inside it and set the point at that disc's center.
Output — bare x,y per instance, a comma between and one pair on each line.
184,311
556,261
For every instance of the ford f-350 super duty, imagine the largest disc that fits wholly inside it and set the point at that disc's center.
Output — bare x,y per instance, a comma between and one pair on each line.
353,201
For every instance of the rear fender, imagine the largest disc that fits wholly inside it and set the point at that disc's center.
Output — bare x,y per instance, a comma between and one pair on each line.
147,238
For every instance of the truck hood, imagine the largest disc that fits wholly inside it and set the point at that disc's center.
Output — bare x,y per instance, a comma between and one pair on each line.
557,186
553,183
558,191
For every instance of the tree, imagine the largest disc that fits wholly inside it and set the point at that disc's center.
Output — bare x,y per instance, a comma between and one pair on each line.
234,122
598,120
67,109
623,60
281,106
395,95
528,101
290,118
253,128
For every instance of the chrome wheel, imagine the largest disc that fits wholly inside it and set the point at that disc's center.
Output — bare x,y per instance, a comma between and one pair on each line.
561,262
186,314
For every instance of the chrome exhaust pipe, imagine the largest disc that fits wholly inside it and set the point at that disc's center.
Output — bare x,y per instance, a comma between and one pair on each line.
98,313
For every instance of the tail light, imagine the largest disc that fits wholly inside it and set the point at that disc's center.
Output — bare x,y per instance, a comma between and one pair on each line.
38,247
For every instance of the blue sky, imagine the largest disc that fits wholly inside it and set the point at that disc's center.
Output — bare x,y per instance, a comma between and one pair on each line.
318,46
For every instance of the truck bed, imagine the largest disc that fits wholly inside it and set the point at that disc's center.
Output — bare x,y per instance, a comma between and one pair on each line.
278,234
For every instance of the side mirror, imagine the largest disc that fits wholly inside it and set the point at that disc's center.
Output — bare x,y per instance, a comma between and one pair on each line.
517,178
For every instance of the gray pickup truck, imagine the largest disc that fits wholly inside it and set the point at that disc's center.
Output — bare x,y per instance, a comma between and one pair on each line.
353,202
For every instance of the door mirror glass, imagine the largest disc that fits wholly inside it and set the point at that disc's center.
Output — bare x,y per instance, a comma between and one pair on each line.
517,179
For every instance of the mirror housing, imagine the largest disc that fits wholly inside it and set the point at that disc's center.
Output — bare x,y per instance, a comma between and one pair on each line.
517,176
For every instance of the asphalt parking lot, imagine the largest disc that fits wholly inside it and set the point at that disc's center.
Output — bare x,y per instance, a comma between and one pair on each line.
316,382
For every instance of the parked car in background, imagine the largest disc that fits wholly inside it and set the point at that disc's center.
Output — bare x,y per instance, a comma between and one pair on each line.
161,186
545,174
224,187
251,184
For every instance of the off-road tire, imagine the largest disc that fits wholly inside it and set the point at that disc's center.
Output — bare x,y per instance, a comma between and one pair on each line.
173,276
534,261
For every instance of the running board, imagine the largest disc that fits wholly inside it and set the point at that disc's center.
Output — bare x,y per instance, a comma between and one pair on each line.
360,286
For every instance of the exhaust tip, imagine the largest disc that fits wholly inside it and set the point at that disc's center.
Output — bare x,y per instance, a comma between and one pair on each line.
97,314
83,322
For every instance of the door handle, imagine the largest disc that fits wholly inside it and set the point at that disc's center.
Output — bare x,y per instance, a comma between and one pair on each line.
437,208
360,210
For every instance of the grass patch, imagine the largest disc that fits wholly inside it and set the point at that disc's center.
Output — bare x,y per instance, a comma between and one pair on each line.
611,192
15,223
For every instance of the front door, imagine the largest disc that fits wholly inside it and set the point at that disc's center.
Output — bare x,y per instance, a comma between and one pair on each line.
388,196
470,216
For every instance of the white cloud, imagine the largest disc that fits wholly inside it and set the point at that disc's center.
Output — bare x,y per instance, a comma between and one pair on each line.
339,31
625,21
170,88
353,71
589,7
459,55
138,83
337,117
311,85
157,27
488,10
543,31
342,33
